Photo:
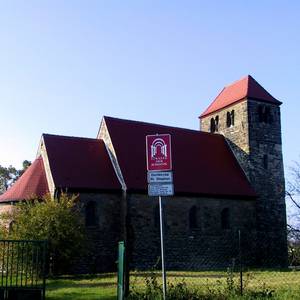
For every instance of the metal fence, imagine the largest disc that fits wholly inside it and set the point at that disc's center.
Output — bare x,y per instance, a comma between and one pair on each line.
235,267
22,269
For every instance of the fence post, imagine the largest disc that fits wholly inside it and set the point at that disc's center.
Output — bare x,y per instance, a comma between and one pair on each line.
241,264
121,262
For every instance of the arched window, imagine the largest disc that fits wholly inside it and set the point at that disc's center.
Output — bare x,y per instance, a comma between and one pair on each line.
225,218
212,125
265,161
193,222
11,226
217,123
230,119
91,213
264,114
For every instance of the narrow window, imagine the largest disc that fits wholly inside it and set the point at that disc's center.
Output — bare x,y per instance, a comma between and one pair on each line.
225,222
91,214
265,161
268,116
217,123
212,125
228,119
193,217
260,114
264,114
232,117
11,226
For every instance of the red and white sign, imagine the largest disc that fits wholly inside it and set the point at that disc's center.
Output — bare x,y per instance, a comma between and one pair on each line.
158,149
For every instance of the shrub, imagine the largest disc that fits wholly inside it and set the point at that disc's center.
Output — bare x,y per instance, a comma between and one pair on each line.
58,221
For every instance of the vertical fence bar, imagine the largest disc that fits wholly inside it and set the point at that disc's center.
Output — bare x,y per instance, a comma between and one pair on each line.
17,268
26,264
241,264
7,262
11,263
45,249
3,261
22,262
37,264
32,263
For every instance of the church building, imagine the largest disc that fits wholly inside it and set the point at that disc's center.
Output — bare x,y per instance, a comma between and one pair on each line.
228,178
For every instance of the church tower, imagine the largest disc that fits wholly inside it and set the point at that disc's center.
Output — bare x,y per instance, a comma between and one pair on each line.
249,117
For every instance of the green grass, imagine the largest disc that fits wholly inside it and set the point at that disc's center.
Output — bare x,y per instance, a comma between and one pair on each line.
82,288
285,284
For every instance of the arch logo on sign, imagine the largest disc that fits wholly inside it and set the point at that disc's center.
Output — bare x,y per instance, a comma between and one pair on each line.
158,149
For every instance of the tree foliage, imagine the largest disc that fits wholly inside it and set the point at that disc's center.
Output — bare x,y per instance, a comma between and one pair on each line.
57,220
293,228
8,175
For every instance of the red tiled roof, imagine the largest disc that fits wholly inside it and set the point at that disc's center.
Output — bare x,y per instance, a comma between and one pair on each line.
245,87
202,162
32,183
80,163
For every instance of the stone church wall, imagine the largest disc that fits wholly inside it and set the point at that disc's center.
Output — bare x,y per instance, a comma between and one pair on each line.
257,146
206,246
100,253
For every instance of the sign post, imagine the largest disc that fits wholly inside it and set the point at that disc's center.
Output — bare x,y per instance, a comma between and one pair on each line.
160,182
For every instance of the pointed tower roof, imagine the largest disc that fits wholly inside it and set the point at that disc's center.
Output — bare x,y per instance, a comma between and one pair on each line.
33,183
246,87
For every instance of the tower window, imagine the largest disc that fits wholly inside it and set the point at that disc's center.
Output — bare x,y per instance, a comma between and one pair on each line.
225,218
230,118
217,123
91,214
265,161
193,222
214,124
264,114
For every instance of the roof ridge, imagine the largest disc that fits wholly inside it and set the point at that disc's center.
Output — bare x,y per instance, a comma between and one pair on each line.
155,124
70,137
236,81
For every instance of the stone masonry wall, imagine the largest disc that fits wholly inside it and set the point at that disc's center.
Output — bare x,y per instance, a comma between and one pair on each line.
238,135
100,252
268,179
255,145
207,246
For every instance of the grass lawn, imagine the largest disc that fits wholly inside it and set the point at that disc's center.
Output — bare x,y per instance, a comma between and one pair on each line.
82,288
286,285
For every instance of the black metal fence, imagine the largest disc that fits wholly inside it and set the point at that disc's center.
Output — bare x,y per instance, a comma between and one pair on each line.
237,262
22,269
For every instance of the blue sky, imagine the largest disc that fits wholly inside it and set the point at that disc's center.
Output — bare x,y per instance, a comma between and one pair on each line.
65,64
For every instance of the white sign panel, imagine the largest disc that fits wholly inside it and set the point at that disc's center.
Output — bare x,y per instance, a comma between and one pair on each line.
160,177
160,189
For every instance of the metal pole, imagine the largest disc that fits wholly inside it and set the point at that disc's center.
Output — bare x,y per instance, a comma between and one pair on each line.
163,269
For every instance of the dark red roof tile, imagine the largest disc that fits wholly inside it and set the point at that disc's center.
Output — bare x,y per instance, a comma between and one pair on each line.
80,163
32,183
245,87
202,162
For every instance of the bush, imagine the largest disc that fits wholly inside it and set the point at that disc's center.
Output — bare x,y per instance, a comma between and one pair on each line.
58,221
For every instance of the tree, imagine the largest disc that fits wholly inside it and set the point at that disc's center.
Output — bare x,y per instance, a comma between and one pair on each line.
9,175
59,221
293,227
